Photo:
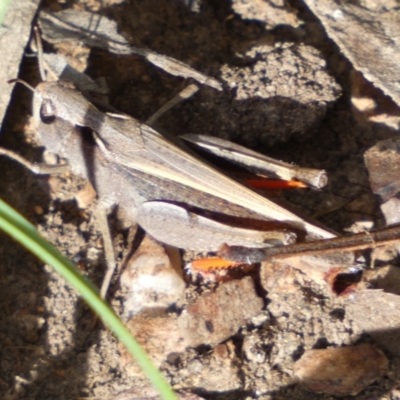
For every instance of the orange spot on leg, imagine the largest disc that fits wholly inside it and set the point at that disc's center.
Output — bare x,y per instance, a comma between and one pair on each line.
213,263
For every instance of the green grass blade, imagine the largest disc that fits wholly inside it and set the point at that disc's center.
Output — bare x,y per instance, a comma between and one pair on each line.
26,234
3,9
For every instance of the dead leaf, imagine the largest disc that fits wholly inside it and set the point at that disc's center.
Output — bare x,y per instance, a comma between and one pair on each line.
341,371
14,35
370,39
95,30
209,320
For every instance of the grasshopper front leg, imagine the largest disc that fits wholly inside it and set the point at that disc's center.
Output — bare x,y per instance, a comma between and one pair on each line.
36,168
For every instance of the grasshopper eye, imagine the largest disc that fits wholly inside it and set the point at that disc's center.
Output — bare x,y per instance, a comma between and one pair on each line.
47,111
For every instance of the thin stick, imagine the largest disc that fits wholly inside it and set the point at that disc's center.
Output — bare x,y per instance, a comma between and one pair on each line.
359,241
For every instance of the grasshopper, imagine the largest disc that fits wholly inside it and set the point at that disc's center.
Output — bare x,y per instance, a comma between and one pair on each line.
152,178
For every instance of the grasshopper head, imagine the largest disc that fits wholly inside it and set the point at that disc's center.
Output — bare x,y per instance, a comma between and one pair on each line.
60,99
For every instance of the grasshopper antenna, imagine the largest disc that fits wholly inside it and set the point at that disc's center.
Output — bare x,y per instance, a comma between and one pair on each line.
39,45
42,71
17,80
